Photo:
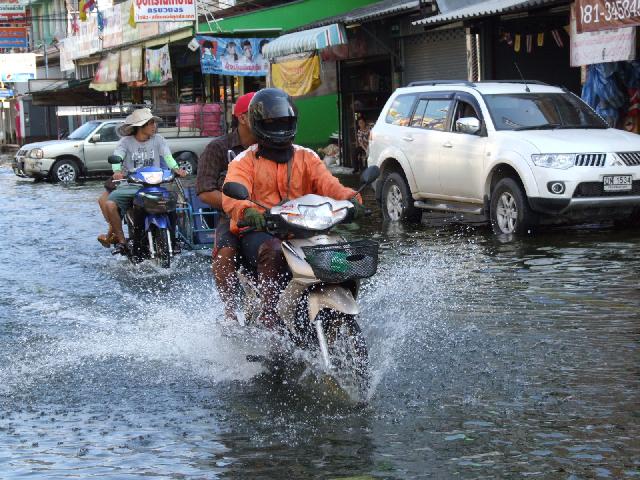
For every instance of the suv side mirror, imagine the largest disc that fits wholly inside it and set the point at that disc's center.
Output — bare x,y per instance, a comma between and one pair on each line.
95,137
470,125
237,191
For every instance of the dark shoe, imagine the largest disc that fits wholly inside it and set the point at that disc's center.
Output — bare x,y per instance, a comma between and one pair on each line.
120,248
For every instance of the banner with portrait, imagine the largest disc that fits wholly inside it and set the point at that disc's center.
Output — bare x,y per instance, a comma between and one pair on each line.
131,66
106,79
297,74
233,56
157,66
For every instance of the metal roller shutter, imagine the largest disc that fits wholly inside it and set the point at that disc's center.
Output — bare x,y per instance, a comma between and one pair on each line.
438,55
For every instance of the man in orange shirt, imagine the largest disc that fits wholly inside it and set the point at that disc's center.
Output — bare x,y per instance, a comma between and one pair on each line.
275,170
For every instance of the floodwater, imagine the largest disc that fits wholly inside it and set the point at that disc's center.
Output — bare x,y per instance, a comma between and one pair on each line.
491,358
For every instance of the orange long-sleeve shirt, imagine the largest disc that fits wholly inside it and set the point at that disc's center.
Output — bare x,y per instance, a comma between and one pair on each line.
267,182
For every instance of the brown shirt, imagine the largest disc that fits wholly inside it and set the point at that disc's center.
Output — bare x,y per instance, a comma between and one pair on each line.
214,161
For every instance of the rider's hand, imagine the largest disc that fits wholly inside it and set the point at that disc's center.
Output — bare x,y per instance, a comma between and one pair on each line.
180,172
358,209
118,176
254,218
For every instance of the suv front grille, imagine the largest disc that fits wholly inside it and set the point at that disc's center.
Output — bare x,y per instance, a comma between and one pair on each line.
590,159
630,159
596,189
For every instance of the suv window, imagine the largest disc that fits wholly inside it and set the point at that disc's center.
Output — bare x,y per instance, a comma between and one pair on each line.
431,114
108,133
523,111
463,110
400,110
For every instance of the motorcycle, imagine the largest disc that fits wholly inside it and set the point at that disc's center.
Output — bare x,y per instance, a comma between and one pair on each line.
319,305
151,230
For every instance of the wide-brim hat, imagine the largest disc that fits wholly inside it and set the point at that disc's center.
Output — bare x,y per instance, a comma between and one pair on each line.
136,119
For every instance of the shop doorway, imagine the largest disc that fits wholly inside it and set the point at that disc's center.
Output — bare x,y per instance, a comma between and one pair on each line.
364,86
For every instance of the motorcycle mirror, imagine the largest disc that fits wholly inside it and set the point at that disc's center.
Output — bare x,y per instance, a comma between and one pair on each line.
235,190
369,175
114,159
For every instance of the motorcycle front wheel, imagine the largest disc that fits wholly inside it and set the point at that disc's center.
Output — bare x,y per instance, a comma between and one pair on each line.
161,246
348,353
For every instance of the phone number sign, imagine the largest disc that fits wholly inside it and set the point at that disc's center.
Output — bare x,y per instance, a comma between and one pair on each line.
165,10
595,15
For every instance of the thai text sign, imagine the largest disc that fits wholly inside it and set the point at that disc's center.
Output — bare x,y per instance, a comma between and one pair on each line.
595,15
603,46
164,10
13,37
17,67
233,56
11,10
297,76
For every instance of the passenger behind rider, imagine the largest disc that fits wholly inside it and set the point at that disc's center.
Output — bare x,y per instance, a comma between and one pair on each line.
139,147
275,170
212,170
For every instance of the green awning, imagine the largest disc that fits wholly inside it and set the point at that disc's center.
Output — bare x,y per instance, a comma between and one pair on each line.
282,18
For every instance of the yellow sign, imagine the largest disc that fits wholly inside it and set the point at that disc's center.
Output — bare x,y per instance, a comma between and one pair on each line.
297,77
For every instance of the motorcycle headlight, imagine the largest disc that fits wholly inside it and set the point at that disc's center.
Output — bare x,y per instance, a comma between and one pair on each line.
36,153
152,178
317,217
554,160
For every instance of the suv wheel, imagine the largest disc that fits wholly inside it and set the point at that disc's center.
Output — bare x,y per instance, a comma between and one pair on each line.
64,171
397,203
509,211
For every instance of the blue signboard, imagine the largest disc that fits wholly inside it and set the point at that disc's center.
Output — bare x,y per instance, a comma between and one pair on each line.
13,37
6,93
233,56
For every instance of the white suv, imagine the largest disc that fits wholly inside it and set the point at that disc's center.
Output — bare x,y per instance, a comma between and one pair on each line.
518,153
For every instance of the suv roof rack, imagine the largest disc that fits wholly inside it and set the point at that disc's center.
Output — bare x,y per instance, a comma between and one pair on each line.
422,83
532,82
466,83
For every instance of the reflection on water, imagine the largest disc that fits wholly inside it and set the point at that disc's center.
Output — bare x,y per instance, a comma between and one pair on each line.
491,358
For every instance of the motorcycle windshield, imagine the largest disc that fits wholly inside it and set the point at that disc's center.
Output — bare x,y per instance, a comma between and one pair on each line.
151,176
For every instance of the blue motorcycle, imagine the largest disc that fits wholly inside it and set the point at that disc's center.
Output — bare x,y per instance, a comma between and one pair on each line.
151,221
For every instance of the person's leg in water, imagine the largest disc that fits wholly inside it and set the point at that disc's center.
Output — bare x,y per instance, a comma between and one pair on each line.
224,258
108,239
119,200
264,253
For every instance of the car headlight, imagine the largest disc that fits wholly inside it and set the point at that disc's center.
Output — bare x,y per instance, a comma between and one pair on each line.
554,160
36,153
316,217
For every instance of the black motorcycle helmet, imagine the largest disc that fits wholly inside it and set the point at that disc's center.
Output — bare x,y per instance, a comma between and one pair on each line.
273,118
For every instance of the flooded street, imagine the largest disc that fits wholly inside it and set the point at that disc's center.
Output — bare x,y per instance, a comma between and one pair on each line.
491,358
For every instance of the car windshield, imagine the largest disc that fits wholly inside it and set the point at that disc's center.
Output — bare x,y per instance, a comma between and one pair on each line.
83,131
539,111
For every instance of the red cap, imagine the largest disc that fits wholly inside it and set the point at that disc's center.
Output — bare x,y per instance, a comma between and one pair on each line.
242,105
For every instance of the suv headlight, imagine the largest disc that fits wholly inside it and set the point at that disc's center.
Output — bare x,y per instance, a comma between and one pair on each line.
554,160
36,153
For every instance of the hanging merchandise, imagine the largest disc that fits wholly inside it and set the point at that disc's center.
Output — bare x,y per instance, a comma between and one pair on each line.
297,74
85,6
233,56
106,78
131,67
157,66
541,39
516,45
556,36
529,42
132,17
604,91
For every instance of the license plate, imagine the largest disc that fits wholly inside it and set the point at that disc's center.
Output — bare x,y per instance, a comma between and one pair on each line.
617,183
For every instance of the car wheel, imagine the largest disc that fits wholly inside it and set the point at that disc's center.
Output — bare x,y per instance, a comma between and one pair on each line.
189,165
64,171
509,210
397,202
